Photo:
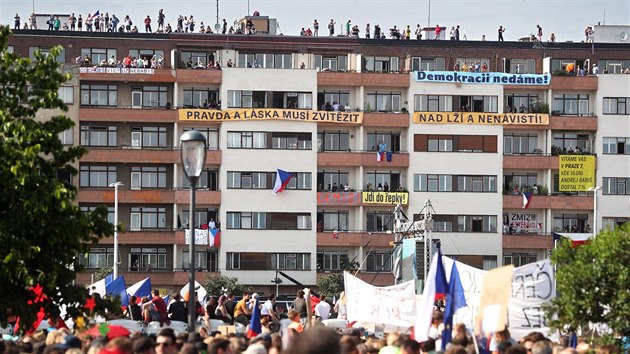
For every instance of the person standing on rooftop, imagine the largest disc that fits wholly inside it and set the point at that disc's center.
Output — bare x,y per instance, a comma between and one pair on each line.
161,16
147,24
501,30
331,26
348,25
315,28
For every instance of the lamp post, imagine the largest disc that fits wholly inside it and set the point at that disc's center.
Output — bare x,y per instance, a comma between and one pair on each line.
193,153
115,185
594,190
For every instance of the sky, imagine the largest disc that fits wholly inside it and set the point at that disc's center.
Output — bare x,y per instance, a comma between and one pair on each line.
565,18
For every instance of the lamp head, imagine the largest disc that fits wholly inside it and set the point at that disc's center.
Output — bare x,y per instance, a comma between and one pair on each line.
193,153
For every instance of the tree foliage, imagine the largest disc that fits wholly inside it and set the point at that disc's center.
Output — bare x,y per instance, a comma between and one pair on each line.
593,282
331,284
218,284
42,230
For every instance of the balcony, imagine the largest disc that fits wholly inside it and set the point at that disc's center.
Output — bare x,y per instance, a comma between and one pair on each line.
149,237
384,278
366,159
333,78
163,278
144,196
127,75
530,162
354,239
199,76
115,114
145,156
527,242
573,123
203,197
338,198
557,202
574,83
389,120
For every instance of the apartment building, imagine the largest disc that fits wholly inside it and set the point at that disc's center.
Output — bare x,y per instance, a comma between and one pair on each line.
131,120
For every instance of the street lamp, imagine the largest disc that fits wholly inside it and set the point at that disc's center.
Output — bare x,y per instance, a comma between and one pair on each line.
193,153
594,190
115,185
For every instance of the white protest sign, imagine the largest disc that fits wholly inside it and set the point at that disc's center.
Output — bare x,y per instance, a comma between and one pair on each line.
532,286
390,305
201,237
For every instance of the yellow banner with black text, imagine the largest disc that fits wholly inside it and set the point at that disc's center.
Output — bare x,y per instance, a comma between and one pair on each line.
481,118
392,198
298,115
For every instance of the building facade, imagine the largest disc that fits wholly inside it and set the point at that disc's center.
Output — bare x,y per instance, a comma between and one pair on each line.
473,173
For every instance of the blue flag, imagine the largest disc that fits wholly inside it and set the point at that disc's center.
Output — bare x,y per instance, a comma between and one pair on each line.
117,288
455,300
255,327
441,286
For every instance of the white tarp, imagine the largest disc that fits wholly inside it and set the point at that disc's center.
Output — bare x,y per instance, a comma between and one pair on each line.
390,305
201,237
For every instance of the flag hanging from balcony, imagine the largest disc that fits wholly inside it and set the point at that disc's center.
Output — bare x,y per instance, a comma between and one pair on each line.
215,238
577,238
282,180
380,155
527,198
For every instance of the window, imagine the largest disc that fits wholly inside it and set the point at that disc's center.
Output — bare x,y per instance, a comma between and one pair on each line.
520,102
148,218
520,144
379,179
379,221
613,66
477,223
384,101
300,181
303,222
442,226
196,58
98,55
11,49
330,97
149,96
378,262
433,103
432,183
201,260
518,182
291,141
616,105
212,136
440,144
146,55
209,180
487,104
296,100
99,258
476,183
616,146
291,261
110,212
473,62
332,260
201,217
519,259
333,141
381,64
391,139
246,220
146,259
331,63
67,136
247,140
249,180
521,66
560,64
330,178
570,222
612,223
232,260
570,105
267,60
148,137
571,142
97,176
99,95
92,135
243,99
148,177
66,94
336,220
200,97
616,185
45,51
489,262
427,64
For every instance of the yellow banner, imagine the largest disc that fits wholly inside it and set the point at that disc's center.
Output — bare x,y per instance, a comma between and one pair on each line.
385,198
577,173
480,118
300,115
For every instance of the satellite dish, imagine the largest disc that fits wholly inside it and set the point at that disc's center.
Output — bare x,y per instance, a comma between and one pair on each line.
623,36
217,27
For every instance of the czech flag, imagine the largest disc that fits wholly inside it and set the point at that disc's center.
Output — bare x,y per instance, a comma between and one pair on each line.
380,155
435,287
282,180
96,14
215,238
254,328
577,239
140,289
527,198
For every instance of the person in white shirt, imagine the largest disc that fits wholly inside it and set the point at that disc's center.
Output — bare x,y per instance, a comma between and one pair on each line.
322,310
267,308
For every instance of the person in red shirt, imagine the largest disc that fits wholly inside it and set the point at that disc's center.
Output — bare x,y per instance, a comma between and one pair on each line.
160,307
437,31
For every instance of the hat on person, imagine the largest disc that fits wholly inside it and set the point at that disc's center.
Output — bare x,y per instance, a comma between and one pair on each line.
256,348
69,342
